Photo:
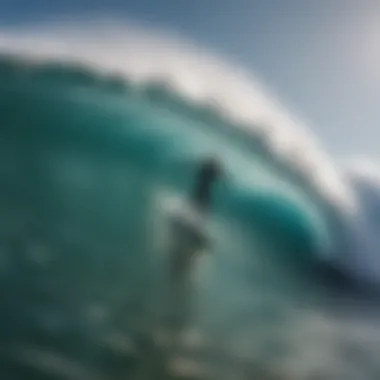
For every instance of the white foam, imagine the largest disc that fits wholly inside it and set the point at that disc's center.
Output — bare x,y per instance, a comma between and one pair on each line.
364,169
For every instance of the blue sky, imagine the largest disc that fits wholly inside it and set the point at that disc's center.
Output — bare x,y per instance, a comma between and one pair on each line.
322,57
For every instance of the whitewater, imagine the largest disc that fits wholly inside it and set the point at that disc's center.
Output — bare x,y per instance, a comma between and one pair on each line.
102,127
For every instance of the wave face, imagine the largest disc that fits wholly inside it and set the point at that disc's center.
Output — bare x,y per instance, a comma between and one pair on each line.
89,161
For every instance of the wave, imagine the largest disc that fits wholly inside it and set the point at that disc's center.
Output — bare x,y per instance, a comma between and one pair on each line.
75,82
197,78
191,85
100,125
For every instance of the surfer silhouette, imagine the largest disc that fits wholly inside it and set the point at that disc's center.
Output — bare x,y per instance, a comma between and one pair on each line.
188,227
189,240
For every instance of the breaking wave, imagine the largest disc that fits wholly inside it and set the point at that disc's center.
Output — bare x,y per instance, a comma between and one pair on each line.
102,124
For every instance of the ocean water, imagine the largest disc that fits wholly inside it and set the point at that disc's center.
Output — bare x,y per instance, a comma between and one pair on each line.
91,165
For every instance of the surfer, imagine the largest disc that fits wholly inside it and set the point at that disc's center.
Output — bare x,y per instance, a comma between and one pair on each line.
189,239
188,228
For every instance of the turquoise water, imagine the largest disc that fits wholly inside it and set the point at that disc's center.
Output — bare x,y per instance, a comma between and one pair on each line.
87,166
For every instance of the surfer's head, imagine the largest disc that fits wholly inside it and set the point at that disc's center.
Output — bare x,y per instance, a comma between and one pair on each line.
209,170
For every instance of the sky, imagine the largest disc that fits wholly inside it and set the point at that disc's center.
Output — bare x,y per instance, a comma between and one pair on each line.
320,57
